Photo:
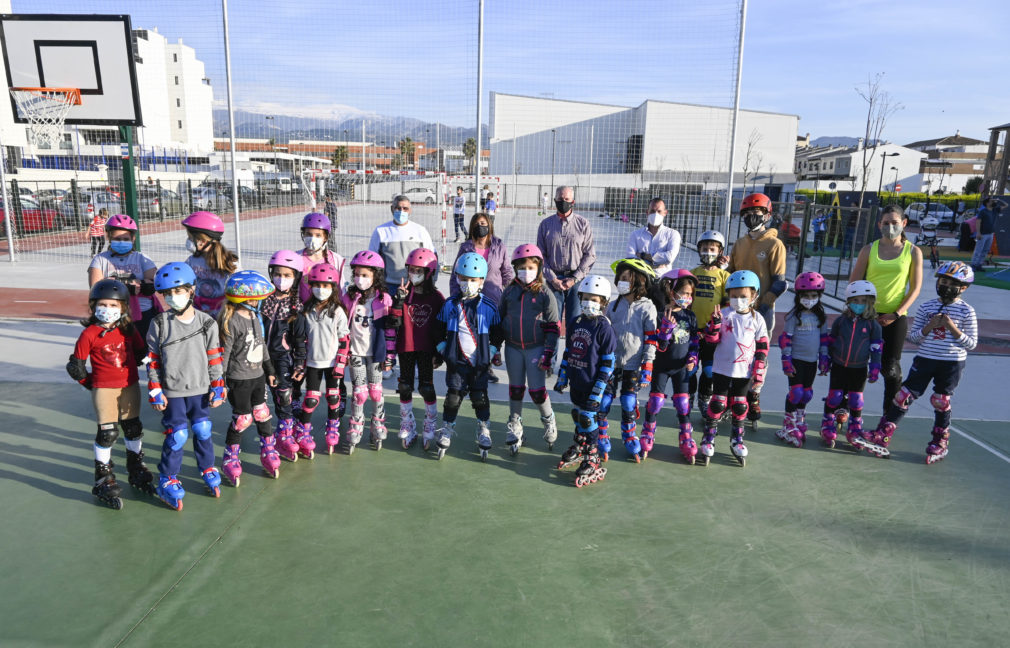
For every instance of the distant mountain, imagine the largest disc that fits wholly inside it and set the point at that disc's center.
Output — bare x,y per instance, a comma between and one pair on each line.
835,141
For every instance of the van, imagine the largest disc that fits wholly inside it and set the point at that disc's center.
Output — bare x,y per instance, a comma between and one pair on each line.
277,185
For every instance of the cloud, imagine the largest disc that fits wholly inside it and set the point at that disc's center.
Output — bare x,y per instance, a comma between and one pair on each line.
334,111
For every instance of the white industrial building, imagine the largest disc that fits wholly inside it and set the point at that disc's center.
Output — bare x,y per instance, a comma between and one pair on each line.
840,168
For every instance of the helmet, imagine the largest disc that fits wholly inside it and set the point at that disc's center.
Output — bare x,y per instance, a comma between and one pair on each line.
637,265
172,275
860,288
368,259
677,274
809,281
595,285
316,220
205,223
757,200
527,251
288,259
324,272
121,221
109,289
712,235
956,270
744,279
423,258
471,264
247,285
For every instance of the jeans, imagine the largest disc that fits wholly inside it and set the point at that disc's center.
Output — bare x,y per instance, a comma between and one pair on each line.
568,304
982,247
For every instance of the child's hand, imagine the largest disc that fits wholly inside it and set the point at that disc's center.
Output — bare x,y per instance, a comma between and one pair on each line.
436,362
402,290
874,373
297,373
787,366
935,322
158,407
716,314
823,365
272,381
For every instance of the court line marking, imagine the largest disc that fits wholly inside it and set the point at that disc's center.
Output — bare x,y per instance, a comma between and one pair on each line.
981,444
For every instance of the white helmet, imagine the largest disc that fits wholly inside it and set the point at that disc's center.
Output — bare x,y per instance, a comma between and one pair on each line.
713,235
595,285
860,288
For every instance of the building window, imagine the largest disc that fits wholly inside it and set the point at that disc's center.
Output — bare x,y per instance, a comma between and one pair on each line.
175,58
176,80
180,123
178,103
67,143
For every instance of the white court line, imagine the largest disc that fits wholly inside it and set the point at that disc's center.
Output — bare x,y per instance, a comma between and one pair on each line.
981,444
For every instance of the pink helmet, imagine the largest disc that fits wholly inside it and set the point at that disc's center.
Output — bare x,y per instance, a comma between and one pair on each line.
121,221
324,272
317,221
422,258
677,274
809,281
205,223
368,259
527,251
288,259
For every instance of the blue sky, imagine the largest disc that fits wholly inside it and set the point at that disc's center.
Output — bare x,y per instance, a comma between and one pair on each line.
416,59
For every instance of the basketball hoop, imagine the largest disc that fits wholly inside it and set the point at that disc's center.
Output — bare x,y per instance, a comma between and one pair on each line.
45,109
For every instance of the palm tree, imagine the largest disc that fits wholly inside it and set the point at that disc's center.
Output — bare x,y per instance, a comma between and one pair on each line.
406,149
470,152
340,155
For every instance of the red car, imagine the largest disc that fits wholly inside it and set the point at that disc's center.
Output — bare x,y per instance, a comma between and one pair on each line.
33,218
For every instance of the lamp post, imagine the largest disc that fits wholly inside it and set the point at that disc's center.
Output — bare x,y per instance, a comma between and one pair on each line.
880,182
273,147
894,189
553,143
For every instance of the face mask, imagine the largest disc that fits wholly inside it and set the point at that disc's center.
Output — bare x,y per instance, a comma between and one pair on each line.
108,314
190,246
363,283
481,231
623,287
684,302
947,294
178,303
527,276
123,247
740,304
320,293
417,278
469,288
754,221
655,219
563,206
708,258
400,217
590,308
857,308
314,243
809,303
283,284
891,231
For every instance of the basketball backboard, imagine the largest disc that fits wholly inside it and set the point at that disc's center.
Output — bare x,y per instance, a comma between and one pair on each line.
90,52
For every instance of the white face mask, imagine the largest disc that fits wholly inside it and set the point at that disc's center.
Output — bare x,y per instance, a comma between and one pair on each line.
590,308
108,314
655,219
283,284
177,302
314,243
623,287
527,276
190,246
416,278
469,288
363,283
809,303
740,304
320,293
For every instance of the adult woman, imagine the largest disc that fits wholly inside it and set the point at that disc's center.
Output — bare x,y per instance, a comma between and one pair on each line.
894,266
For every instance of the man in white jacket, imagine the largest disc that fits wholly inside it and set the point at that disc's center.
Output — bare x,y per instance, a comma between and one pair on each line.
655,243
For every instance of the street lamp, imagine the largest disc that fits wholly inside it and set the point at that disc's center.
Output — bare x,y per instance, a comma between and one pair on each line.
880,182
553,143
273,146
894,189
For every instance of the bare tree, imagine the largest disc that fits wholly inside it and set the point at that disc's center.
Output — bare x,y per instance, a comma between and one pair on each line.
759,159
880,105
752,141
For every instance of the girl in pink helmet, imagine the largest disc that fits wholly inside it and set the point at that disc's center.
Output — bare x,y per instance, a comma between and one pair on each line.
135,269
530,319
212,262
416,304
316,238
372,343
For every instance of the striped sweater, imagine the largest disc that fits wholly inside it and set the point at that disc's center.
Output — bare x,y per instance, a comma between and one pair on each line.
940,344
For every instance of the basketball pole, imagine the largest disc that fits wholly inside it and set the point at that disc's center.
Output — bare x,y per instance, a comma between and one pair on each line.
130,180
8,213
728,207
231,128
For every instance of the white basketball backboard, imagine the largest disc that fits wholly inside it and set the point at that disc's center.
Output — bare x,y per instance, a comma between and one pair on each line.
90,52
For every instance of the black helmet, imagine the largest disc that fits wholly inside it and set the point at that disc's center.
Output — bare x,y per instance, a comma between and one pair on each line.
110,289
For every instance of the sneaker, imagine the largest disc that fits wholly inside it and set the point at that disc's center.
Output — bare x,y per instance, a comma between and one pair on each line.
491,377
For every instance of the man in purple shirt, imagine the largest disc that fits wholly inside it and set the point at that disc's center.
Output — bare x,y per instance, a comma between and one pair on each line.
566,239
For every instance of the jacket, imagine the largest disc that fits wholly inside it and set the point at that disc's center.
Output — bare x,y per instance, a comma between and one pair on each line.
635,327
855,342
529,319
469,329
499,269
383,346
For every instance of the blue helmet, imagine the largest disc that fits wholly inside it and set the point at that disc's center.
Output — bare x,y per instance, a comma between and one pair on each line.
471,265
744,279
174,274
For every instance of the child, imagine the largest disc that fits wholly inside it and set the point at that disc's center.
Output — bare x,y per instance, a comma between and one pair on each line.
855,342
247,370
115,348
710,293
458,212
804,345
134,269
320,345
530,322
316,237
96,228
633,316
184,380
277,311
209,258
740,356
372,343
470,332
945,330
676,360
587,365
415,308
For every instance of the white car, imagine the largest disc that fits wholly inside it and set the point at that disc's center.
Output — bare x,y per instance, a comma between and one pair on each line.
916,212
419,195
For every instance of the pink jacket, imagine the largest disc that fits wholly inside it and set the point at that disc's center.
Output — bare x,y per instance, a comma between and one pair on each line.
382,313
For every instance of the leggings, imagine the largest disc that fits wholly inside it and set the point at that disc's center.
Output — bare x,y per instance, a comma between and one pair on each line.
727,393
657,396
890,358
801,385
248,400
846,383
423,362
313,381
521,365
366,376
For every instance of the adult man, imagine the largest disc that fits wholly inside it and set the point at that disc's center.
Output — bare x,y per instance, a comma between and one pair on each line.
395,239
656,244
566,239
985,226
458,214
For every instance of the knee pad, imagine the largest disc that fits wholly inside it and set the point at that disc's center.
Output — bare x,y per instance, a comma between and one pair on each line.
940,402
406,391
201,429
516,392
606,402
261,412
453,399
655,402
479,399
796,393
891,372
835,398
539,395
903,399
360,394
332,398
707,370
107,434
132,428
753,399
855,401
177,437
739,407
629,401
716,406
808,395
427,391
682,403
311,401
585,421
375,392
240,421
282,397
575,415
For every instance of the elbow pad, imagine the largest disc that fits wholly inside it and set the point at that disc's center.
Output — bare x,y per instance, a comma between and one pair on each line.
779,285
147,288
785,342
77,369
607,362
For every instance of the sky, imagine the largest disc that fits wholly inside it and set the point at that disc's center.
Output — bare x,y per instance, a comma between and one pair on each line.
402,57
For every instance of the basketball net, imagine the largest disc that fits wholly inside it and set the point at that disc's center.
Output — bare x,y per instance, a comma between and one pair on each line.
45,109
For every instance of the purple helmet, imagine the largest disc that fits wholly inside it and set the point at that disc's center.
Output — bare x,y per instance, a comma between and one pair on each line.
809,281
324,272
205,223
368,259
317,221
527,251
288,259
121,221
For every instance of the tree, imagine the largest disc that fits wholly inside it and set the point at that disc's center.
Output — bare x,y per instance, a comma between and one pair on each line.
974,185
751,156
879,108
339,156
406,146
470,153
397,162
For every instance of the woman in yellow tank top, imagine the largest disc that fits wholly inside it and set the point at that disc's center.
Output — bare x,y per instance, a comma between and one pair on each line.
894,266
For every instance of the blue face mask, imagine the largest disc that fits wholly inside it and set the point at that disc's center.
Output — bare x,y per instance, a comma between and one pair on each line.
857,308
400,217
121,247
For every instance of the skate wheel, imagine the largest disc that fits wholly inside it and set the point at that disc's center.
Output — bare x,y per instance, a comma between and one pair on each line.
561,464
705,461
743,462
214,492
441,453
378,445
329,449
606,456
579,482
645,455
116,503
483,455
350,448
690,460
237,482
514,449
637,458
276,474
550,446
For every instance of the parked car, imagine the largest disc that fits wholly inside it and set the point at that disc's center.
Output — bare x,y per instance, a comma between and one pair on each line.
154,204
247,196
34,218
419,195
52,198
210,199
88,203
916,212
